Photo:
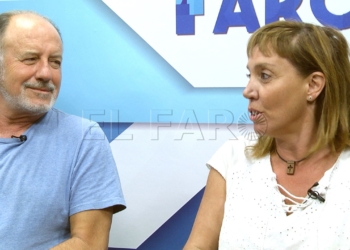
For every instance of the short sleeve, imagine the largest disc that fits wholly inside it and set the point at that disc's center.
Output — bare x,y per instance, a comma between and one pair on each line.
226,156
95,181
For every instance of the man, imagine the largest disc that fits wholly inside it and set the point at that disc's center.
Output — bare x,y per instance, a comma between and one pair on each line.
59,185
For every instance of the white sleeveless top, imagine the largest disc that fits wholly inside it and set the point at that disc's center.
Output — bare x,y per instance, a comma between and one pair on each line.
254,216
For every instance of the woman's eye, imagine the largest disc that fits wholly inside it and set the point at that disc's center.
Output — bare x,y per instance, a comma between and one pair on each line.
248,75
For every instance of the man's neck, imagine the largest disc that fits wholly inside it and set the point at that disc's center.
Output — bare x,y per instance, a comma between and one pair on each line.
16,124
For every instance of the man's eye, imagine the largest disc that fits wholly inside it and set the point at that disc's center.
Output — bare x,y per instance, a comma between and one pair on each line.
56,63
264,76
30,59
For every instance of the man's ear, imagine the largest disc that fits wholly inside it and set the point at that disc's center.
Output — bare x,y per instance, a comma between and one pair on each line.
316,84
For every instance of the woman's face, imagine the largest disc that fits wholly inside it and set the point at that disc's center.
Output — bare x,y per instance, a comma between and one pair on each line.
277,94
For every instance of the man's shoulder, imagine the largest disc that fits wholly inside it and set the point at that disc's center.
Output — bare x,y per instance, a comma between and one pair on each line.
68,124
63,117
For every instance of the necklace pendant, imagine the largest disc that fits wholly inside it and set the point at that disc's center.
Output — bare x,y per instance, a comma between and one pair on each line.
290,167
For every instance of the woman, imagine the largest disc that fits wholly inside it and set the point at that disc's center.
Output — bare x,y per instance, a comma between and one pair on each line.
290,189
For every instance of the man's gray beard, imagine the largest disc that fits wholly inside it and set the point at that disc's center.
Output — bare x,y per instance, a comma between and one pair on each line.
22,103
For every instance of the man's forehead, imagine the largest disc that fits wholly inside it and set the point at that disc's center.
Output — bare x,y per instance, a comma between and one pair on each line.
28,22
26,25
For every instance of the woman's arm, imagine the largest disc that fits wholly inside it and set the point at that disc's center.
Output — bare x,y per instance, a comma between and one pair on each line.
207,225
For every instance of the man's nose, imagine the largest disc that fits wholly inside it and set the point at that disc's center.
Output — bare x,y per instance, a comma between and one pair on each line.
44,71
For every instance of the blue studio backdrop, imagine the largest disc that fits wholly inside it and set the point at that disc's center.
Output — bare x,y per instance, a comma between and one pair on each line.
164,80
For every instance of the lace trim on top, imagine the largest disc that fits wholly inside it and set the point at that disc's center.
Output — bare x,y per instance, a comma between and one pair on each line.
291,208
307,201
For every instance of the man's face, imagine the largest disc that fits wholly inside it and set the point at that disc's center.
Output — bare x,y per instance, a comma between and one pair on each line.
30,74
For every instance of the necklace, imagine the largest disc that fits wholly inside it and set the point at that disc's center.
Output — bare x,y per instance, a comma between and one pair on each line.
290,164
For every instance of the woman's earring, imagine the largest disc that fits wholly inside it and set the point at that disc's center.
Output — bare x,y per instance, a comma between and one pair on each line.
309,98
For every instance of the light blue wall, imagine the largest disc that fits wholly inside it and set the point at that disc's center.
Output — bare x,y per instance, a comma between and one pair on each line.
107,66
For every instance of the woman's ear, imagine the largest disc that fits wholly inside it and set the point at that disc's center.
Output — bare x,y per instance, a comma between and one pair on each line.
317,81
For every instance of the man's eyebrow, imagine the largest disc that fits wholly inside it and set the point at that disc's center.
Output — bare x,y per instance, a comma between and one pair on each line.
58,56
30,53
34,53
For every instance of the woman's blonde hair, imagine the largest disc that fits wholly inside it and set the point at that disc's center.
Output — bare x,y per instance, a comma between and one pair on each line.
310,48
